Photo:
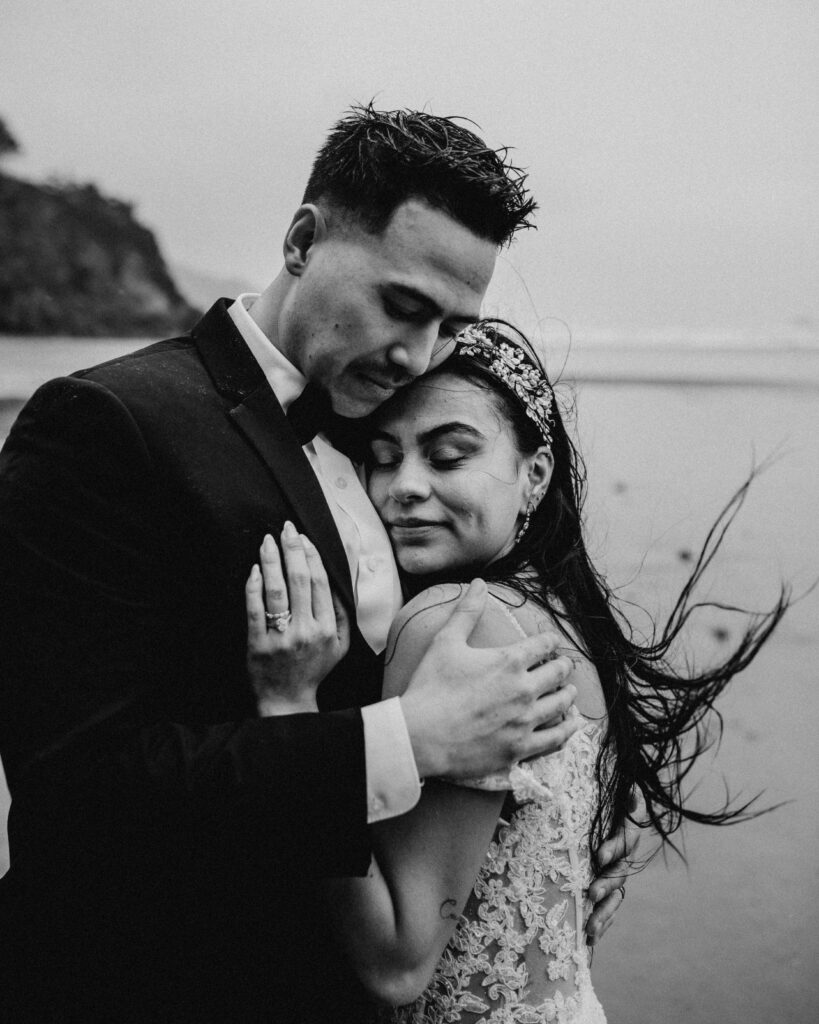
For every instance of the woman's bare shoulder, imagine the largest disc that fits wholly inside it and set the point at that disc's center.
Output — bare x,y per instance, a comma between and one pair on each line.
531,617
428,612
420,621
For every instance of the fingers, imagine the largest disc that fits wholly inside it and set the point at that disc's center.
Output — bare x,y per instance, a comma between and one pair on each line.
612,851
607,891
275,589
601,918
553,708
254,603
616,853
609,881
467,611
553,737
536,653
342,624
548,679
299,584
320,595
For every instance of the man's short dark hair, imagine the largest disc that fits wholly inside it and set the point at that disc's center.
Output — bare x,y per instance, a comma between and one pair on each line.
374,160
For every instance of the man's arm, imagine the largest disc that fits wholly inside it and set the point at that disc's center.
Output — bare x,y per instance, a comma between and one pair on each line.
83,598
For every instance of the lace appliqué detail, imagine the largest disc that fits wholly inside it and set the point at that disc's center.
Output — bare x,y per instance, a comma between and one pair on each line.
518,955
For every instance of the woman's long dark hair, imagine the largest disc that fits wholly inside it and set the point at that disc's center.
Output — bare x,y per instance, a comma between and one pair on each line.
658,719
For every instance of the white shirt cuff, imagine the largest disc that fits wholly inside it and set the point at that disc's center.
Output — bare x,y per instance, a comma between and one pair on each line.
393,786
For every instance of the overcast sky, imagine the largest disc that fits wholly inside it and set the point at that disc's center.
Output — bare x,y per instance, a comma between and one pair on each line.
673,146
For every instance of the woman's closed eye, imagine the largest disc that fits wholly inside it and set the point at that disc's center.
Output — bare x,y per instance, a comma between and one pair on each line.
447,457
383,456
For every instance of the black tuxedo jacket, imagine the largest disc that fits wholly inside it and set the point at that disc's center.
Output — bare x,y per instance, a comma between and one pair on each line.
165,841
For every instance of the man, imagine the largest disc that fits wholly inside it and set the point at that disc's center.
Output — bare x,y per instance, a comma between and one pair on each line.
165,832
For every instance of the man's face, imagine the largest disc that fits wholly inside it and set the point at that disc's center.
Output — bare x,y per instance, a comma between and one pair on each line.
367,313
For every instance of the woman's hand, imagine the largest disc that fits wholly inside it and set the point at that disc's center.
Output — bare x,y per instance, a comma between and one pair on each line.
297,630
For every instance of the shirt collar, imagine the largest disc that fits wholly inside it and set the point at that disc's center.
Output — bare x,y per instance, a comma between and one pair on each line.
286,381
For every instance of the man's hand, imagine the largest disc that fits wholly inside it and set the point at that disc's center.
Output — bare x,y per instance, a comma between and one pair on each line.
473,711
607,892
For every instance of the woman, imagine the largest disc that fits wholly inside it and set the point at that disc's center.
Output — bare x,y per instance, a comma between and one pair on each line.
477,897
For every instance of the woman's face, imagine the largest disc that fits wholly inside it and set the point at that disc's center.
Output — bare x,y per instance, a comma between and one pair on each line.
446,476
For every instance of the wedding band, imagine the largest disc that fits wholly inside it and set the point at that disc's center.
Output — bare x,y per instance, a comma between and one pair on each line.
278,620
622,890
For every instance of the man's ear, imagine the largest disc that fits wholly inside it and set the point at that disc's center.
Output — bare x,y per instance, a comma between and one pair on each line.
307,228
541,465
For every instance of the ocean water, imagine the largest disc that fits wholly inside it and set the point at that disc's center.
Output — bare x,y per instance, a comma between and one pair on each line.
669,432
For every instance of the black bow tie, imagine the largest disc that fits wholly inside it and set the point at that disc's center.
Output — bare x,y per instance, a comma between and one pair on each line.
312,413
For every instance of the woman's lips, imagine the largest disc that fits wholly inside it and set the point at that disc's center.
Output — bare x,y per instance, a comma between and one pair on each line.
406,529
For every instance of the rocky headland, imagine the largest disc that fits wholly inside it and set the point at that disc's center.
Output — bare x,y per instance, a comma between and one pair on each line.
74,261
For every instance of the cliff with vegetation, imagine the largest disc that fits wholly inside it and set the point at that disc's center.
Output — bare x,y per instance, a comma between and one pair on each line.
74,261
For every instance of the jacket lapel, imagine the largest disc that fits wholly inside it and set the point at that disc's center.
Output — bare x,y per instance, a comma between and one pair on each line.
256,412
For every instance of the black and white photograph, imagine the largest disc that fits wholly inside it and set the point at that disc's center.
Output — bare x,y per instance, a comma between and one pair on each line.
409,550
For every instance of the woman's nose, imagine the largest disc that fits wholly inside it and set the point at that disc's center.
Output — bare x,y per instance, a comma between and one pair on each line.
410,482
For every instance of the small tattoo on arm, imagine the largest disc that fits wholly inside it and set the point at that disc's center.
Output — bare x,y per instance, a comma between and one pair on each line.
447,910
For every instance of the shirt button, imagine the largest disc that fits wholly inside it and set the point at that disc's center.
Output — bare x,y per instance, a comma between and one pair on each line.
372,564
341,483
376,804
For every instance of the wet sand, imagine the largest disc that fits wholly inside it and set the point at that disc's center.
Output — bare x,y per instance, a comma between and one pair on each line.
734,937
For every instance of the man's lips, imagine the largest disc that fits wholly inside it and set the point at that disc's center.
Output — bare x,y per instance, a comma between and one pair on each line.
383,379
388,386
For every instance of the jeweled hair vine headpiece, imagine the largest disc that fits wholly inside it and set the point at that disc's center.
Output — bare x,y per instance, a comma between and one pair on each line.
516,368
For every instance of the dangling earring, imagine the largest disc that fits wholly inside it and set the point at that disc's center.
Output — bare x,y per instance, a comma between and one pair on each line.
530,508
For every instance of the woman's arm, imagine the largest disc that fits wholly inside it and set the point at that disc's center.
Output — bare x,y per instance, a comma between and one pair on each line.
395,923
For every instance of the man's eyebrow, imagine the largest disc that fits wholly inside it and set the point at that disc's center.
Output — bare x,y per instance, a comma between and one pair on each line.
408,292
429,304
455,427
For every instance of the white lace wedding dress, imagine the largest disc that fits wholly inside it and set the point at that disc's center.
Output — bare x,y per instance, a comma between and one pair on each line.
519,955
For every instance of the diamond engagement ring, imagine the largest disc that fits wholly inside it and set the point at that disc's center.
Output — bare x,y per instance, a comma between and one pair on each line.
278,620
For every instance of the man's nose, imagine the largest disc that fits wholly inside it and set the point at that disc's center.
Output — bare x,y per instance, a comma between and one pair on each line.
413,352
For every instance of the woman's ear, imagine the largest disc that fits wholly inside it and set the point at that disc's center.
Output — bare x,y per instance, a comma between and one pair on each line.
540,469
307,228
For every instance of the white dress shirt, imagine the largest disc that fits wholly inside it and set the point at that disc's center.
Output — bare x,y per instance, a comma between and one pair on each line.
393,786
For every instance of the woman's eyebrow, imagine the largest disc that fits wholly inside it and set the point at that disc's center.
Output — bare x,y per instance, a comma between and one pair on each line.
455,427
382,435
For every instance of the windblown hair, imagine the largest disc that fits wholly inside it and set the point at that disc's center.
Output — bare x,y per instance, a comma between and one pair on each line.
660,720
374,160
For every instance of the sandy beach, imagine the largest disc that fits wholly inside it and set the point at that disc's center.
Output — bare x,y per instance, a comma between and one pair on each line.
733,937
668,436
